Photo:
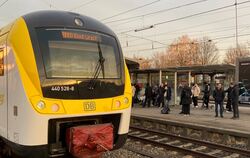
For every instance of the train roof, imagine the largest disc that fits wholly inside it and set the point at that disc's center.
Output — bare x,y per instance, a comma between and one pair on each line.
64,19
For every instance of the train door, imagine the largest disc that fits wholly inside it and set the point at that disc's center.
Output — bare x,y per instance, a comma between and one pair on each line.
3,93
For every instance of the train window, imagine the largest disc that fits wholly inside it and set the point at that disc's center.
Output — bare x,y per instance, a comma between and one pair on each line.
75,55
1,63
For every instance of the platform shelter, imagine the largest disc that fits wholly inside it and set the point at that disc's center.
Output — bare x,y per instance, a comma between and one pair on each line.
177,76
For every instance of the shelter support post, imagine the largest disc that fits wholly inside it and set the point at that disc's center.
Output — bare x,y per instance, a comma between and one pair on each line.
189,78
160,75
175,88
149,79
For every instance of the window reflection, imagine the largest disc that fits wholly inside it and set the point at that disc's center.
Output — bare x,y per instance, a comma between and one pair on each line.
78,59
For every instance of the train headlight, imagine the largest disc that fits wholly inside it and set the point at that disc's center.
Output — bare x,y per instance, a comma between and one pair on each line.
55,107
117,104
125,100
41,105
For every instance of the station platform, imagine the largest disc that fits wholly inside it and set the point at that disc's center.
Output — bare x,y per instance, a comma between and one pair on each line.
200,117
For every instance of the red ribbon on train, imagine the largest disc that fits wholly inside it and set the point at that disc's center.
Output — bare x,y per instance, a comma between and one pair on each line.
89,141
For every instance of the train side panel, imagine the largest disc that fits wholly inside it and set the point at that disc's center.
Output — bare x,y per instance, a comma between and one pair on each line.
3,87
21,117
125,119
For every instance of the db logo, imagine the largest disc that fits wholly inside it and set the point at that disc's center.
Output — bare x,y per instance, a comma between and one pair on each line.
89,106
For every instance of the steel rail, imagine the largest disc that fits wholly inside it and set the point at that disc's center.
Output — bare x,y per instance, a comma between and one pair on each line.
190,140
142,153
171,147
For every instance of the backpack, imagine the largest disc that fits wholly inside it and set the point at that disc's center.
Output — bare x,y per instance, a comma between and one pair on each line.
165,110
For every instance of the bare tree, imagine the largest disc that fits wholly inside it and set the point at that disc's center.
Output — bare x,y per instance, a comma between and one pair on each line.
158,60
179,51
186,51
183,52
162,59
233,53
207,52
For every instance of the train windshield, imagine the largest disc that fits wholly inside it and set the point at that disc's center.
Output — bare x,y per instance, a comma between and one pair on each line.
77,54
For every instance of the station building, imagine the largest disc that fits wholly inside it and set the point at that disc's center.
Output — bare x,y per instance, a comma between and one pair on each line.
177,76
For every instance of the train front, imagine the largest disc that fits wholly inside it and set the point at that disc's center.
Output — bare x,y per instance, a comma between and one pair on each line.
76,85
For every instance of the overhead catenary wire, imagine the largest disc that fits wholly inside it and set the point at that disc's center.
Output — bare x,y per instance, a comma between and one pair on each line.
226,41
146,39
122,23
193,33
223,29
161,48
165,40
222,11
195,26
232,36
190,27
2,4
146,49
217,39
227,28
129,21
82,5
157,41
49,4
193,15
130,10
213,39
157,12
205,12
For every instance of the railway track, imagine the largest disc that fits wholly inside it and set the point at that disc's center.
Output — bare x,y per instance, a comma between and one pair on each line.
184,145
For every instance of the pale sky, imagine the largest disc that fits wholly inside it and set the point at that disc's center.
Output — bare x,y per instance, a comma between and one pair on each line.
217,25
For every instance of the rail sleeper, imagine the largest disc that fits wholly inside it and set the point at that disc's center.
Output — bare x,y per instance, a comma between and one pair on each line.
216,135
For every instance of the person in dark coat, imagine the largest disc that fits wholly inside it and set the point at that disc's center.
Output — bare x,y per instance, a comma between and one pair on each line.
219,96
235,98
137,91
161,92
229,98
148,95
181,88
206,95
133,94
154,95
186,100
167,95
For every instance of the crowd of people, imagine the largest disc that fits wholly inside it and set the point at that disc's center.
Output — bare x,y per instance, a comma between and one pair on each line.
160,96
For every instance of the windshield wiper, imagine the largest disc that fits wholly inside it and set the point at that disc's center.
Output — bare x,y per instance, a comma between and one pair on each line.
98,68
